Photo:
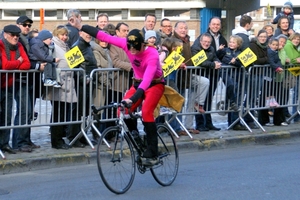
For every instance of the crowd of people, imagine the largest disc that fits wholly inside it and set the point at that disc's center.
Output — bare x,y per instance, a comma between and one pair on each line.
138,52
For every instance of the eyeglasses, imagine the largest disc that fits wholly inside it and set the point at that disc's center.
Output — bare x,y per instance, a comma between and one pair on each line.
167,26
14,34
28,25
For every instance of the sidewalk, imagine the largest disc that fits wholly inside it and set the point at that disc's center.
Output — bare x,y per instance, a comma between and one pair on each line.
46,157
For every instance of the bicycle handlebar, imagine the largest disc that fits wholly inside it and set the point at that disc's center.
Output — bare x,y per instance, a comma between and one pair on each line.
121,105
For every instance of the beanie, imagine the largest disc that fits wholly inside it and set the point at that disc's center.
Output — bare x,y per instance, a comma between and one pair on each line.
44,35
288,5
150,34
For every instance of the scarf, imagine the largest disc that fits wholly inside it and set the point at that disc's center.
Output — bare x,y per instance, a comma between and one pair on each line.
9,47
263,46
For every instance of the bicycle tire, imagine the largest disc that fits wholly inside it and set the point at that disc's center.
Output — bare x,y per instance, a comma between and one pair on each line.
166,171
116,165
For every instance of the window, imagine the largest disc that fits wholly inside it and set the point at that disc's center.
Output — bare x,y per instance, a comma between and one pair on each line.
48,13
112,14
140,13
13,13
182,14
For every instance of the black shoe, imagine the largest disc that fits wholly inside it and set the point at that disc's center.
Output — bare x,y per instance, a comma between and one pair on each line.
34,146
62,146
252,125
150,161
78,144
212,127
202,129
8,149
239,127
25,148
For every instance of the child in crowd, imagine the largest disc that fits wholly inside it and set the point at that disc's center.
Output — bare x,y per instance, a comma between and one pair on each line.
287,10
275,63
231,79
228,56
150,39
41,52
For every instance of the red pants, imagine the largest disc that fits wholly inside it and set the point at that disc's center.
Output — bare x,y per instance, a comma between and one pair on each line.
150,100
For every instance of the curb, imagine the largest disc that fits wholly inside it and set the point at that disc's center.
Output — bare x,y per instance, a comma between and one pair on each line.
70,159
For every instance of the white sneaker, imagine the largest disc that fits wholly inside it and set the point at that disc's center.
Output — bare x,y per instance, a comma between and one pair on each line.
57,85
48,82
284,124
269,124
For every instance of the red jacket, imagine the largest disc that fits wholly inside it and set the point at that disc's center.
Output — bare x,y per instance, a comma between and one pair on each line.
12,64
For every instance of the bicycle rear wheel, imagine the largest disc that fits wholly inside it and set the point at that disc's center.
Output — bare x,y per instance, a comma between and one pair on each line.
166,171
116,165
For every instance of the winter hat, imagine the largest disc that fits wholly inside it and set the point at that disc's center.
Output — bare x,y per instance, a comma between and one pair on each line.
12,29
44,35
135,39
150,34
288,5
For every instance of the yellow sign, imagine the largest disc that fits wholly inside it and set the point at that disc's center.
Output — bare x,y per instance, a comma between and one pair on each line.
199,58
74,57
294,70
247,57
173,61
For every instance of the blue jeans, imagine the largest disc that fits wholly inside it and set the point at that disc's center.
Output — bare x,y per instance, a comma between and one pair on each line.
6,100
21,136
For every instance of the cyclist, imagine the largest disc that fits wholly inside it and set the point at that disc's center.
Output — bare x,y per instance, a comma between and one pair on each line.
148,86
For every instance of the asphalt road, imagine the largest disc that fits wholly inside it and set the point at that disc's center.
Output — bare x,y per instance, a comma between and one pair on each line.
248,172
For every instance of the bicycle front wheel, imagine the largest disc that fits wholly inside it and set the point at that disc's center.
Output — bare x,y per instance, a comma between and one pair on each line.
166,171
116,163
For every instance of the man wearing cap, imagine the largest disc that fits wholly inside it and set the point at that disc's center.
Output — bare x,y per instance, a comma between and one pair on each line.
24,96
13,57
24,23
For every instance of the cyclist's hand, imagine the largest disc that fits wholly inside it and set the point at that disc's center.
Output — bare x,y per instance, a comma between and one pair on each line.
127,103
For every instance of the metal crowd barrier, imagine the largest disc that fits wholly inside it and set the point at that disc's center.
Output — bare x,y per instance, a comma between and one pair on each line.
251,86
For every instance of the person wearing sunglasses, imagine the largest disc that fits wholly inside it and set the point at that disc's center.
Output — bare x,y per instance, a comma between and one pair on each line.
13,57
24,94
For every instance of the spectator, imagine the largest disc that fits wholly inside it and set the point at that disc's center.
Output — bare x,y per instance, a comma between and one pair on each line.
24,96
73,31
88,65
218,41
286,11
281,93
149,24
270,30
64,98
242,31
183,77
103,82
292,52
258,81
283,27
41,49
166,29
229,57
102,20
13,57
212,65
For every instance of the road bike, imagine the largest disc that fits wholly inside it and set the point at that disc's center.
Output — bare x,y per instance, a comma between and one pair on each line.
118,159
